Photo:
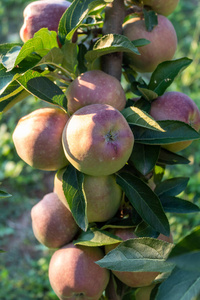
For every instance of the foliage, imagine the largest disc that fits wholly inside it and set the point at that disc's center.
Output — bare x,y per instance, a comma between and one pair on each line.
32,72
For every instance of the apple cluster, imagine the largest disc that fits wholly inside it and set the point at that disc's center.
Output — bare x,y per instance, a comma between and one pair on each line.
94,137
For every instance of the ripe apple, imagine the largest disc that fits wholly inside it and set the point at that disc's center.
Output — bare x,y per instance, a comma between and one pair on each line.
73,273
176,106
103,195
42,14
162,7
38,138
95,87
97,140
134,279
53,224
162,47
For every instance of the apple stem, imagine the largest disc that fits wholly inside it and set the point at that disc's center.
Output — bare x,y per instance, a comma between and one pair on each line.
114,17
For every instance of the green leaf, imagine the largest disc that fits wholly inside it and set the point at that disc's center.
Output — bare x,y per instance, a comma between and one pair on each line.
151,19
186,254
70,58
2,251
145,202
144,157
4,48
138,117
138,255
174,131
43,41
147,94
4,194
43,88
165,73
172,187
176,205
96,238
170,158
74,16
145,230
110,43
11,101
9,59
73,190
181,284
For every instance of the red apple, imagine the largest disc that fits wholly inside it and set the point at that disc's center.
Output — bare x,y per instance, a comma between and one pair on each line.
53,224
73,273
42,14
97,140
38,138
158,50
176,106
103,195
94,87
134,279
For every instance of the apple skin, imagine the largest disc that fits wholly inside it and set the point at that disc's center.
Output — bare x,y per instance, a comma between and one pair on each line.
103,195
95,87
42,14
144,293
158,50
73,273
161,7
38,139
179,107
97,140
53,224
134,279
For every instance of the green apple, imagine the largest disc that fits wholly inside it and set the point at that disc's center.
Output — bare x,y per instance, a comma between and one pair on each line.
103,195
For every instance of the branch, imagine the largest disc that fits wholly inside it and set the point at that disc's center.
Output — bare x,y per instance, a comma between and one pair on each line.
114,17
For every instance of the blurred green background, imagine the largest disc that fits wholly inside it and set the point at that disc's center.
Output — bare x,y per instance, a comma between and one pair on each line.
24,265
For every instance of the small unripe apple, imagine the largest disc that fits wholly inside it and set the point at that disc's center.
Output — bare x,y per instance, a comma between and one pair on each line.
42,14
134,279
162,47
162,7
97,140
144,292
176,106
94,87
73,273
38,139
53,224
103,195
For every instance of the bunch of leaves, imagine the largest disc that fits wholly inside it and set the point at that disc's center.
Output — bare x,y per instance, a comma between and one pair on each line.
42,69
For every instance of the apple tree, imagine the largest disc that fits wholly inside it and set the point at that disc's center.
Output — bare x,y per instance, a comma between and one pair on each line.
109,131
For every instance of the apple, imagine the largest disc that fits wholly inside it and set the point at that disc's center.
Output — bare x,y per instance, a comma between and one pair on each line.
162,47
97,140
161,7
94,87
134,279
176,106
144,293
38,138
103,195
73,273
42,14
53,224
